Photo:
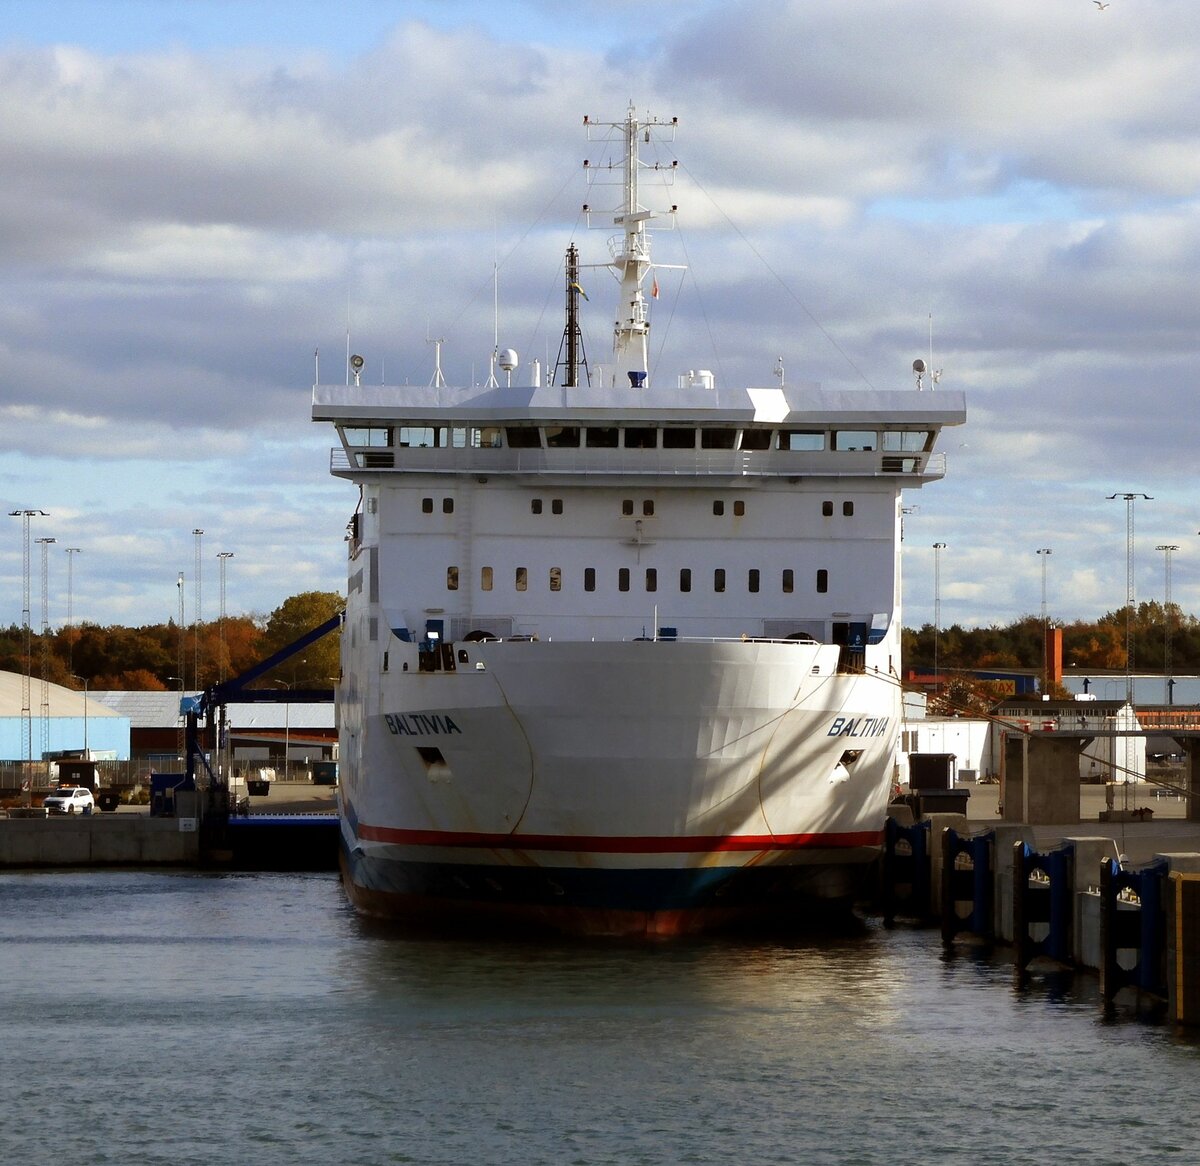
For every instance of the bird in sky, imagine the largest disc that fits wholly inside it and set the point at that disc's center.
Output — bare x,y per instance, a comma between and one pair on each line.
1099,5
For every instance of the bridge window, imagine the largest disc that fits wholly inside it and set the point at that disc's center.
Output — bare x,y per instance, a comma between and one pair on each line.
855,440
562,436
367,435
679,439
807,440
908,440
755,439
717,438
602,437
638,437
522,437
486,437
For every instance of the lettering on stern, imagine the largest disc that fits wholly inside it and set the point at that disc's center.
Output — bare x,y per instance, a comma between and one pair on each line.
859,727
421,724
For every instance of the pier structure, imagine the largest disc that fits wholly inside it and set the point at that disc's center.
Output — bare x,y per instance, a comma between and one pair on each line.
1039,776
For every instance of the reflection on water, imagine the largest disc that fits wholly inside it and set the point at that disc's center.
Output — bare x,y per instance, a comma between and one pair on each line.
257,1019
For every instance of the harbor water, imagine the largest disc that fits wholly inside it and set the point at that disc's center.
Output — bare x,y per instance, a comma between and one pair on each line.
194,1019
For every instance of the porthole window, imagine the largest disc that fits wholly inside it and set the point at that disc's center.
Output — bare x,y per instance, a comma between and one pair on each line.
623,579
651,579
827,509
485,578
718,507
535,506
739,509
426,505
451,578
719,579
822,580
847,509
648,506
447,505
627,506
522,578
555,578
589,578
789,581
685,578
752,580
555,505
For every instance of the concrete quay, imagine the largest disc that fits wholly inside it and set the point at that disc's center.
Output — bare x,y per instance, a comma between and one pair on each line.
129,836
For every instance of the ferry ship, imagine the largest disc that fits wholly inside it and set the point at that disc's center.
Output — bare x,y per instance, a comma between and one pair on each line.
621,657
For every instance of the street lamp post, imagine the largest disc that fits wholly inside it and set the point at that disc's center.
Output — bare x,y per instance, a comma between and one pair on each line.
287,716
87,756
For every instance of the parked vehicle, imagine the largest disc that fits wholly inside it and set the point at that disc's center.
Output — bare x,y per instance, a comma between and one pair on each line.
69,800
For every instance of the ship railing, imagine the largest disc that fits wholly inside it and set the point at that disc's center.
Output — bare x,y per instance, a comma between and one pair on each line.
654,462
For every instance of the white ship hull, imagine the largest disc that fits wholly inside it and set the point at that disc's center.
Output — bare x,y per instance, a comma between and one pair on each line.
643,788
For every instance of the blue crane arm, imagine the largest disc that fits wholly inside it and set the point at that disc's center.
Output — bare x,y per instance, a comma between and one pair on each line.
227,690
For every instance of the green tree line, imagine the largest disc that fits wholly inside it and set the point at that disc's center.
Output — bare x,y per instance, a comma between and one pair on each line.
167,656
1086,645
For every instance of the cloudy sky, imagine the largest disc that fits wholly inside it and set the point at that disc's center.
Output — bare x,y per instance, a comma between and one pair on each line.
200,194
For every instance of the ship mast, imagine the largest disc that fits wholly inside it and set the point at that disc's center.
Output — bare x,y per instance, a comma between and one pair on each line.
631,253
570,351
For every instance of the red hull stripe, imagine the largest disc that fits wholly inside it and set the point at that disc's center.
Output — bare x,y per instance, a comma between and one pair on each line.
602,844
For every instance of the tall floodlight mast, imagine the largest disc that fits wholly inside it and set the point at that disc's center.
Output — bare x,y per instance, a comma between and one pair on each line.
1129,500
44,665
27,635
1168,683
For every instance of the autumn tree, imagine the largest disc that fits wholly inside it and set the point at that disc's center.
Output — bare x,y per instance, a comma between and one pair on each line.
316,665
